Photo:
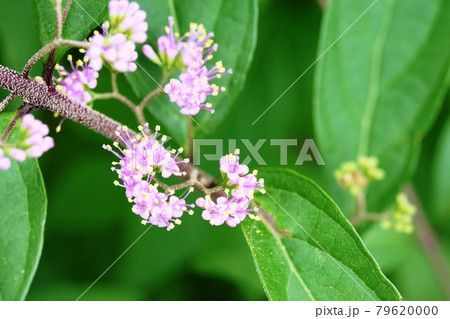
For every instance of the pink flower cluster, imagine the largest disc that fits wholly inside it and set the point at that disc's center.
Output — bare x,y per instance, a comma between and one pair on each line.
5,162
126,18
144,157
115,49
32,142
192,51
37,142
232,209
76,84
117,44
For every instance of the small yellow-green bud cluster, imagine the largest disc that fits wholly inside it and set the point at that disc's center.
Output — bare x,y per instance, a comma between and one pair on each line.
356,176
401,219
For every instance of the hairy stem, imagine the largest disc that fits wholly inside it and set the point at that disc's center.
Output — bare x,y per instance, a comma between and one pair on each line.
149,97
360,209
23,110
73,43
6,101
117,96
430,243
48,98
49,66
114,86
139,109
59,19
50,47
155,92
362,214
166,187
66,10
37,56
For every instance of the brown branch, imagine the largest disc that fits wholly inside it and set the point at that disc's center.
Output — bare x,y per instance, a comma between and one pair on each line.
50,99
43,97
48,67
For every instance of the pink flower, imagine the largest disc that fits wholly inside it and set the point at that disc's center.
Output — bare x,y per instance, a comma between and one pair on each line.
76,84
189,54
143,158
117,44
32,142
126,18
198,47
232,210
248,184
224,210
116,50
192,88
18,155
5,163
37,143
229,164
169,45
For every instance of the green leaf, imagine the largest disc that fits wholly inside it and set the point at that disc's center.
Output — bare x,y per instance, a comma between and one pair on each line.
82,18
313,253
379,88
234,25
23,205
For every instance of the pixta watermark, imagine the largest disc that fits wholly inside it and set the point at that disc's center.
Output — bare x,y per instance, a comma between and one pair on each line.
213,149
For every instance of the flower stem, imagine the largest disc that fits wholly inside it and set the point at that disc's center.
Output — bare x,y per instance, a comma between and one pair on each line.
48,98
6,101
159,90
66,10
166,187
37,56
360,209
114,86
48,48
59,19
149,97
23,110
362,214
41,96
114,95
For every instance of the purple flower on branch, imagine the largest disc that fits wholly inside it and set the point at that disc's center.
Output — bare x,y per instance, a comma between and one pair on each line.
191,89
127,18
32,142
143,157
116,50
232,210
76,84
189,54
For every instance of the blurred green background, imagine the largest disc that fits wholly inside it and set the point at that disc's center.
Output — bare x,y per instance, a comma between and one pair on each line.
90,223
